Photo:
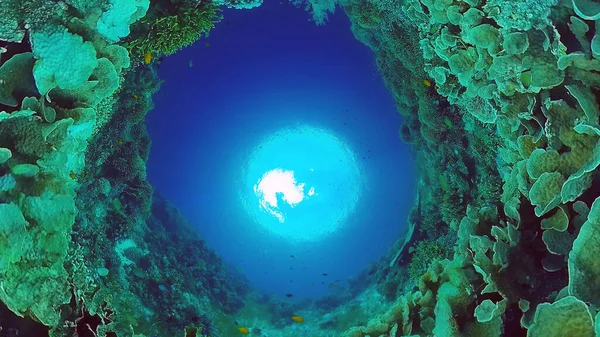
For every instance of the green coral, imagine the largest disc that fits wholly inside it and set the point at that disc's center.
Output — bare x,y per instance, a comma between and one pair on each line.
43,143
490,94
51,48
425,253
587,9
239,4
488,310
521,15
504,64
14,86
165,35
566,317
584,266
545,192
114,23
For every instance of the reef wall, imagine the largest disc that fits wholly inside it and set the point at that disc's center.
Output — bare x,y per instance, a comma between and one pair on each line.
86,248
500,102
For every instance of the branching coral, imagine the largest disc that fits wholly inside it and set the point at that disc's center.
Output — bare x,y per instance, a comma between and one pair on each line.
166,34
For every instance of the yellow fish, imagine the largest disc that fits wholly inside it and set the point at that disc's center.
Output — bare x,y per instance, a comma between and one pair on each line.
243,331
427,83
148,57
297,319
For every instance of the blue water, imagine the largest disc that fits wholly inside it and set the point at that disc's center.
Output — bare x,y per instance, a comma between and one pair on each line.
270,70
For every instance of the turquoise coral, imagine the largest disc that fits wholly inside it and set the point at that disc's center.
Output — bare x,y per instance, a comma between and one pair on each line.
507,136
114,23
50,48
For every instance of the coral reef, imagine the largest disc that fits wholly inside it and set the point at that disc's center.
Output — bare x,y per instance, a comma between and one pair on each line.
168,28
515,160
80,226
500,105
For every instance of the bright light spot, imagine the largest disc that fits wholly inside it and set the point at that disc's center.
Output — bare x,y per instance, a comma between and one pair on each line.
301,183
277,182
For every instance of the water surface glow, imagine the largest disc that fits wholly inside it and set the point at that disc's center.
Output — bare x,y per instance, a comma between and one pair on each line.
301,183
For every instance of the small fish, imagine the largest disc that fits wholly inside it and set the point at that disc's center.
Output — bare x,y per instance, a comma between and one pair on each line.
297,319
120,142
148,57
73,175
243,331
135,97
293,256
324,274
207,44
288,295
427,83
191,63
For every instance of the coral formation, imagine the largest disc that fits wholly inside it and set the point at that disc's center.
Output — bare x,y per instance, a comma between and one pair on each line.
167,30
500,104
76,211
510,67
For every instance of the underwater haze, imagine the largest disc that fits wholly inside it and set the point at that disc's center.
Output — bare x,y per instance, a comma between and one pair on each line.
272,98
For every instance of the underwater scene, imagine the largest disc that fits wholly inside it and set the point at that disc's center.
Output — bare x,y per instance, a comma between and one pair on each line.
299,168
